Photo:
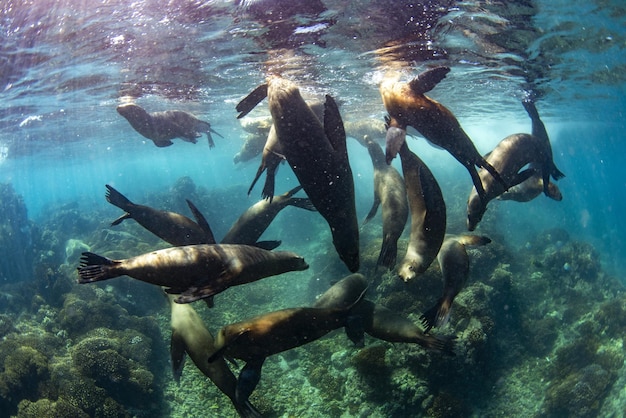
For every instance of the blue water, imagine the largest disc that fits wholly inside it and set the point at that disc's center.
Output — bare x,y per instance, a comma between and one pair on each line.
66,65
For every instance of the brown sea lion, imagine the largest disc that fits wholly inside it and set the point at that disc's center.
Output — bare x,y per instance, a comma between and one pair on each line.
193,271
190,336
273,155
428,215
255,339
454,263
318,156
510,155
171,227
390,191
252,146
162,127
249,227
378,321
408,106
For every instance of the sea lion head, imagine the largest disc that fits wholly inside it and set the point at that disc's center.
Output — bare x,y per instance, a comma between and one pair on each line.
475,211
408,271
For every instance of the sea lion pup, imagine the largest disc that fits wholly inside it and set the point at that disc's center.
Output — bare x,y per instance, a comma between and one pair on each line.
273,155
162,127
193,271
249,227
408,106
428,215
454,263
255,339
171,227
318,156
510,155
190,336
390,191
376,320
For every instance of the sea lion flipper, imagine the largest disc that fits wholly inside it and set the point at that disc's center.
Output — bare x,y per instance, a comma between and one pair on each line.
373,210
248,379
251,100
268,245
94,268
388,253
523,176
178,353
210,139
116,198
215,132
333,127
394,139
293,191
202,222
428,79
121,218
302,203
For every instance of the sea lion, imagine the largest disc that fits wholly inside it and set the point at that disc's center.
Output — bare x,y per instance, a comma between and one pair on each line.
318,156
530,189
509,157
428,215
376,320
255,339
273,155
249,227
190,336
390,191
193,271
454,263
162,127
408,106
171,227
252,146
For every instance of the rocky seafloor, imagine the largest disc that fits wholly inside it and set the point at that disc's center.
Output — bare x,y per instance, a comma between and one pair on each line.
540,329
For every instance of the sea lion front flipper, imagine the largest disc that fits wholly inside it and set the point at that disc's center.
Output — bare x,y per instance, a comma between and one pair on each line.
393,142
388,253
522,176
373,210
215,132
333,127
302,203
202,222
268,245
121,218
427,80
251,100
248,379
178,351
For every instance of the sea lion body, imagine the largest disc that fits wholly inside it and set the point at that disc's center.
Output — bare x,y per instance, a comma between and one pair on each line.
162,127
378,321
428,215
510,155
249,227
390,192
318,156
252,146
454,263
408,106
193,271
190,336
530,189
171,227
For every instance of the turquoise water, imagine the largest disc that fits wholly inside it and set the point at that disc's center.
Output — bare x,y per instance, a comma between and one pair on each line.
66,65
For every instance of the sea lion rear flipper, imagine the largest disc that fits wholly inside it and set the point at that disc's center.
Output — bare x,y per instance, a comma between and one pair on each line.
178,352
428,79
248,379
293,191
355,330
333,127
210,138
220,351
215,132
260,171
121,218
393,142
202,222
117,199
388,253
94,268
251,100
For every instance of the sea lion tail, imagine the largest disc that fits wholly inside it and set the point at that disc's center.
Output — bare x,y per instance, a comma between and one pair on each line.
251,100
94,268
117,199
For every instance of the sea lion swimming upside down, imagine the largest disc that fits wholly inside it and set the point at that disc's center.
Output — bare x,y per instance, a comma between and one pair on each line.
318,155
408,106
193,271
162,127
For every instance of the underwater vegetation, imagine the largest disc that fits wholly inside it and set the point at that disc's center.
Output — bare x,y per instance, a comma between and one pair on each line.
540,332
